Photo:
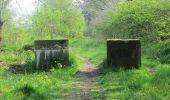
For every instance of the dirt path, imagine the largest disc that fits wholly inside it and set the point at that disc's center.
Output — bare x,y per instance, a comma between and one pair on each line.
84,83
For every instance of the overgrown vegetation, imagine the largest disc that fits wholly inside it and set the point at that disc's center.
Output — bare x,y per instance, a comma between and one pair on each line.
58,17
85,47
160,51
19,81
148,20
150,81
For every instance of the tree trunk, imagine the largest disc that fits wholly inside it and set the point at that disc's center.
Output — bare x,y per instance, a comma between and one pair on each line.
1,24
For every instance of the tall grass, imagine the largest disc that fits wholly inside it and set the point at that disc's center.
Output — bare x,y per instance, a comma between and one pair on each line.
149,82
90,48
18,80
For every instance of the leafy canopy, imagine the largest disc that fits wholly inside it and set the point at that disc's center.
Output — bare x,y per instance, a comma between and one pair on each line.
58,17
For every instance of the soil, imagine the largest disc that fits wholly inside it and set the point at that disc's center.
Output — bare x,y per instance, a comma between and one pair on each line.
85,84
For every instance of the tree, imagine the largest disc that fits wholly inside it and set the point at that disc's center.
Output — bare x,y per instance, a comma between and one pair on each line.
58,17
3,4
145,19
93,10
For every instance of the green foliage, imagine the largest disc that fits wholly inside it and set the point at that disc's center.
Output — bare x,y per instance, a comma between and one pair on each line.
148,82
90,48
18,80
142,84
30,93
3,5
58,17
16,35
144,19
160,51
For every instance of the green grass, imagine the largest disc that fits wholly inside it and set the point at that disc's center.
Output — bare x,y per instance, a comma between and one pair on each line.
94,50
46,85
18,81
150,82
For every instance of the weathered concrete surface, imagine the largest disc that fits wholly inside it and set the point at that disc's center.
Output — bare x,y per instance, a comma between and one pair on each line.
124,52
51,53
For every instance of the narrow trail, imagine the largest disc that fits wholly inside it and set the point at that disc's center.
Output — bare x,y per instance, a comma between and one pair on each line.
84,83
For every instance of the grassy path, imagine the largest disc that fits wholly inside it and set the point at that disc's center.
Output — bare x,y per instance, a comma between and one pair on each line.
84,84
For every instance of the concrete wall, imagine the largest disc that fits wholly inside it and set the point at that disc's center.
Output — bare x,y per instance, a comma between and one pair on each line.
124,52
50,53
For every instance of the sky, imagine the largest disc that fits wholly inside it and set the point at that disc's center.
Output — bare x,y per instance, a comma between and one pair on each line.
22,7
25,7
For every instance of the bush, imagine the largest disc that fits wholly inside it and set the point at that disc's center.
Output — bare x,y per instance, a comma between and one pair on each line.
160,51
144,19
163,52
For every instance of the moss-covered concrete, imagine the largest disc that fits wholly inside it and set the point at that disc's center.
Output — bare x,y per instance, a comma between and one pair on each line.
124,52
51,53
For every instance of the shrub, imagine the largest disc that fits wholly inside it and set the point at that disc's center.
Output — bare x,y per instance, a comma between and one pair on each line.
58,17
144,19
163,52
160,51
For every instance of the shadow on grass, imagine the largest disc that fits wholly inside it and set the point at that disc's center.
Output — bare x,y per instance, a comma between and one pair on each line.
29,68
114,79
28,47
29,93
105,68
26,68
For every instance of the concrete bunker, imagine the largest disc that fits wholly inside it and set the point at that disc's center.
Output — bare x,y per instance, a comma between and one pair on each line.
51,53
124,52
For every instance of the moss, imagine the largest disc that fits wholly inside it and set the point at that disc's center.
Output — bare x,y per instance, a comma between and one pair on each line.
51,53
123,39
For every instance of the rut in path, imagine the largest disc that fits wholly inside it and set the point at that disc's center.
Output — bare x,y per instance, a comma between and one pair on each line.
84,83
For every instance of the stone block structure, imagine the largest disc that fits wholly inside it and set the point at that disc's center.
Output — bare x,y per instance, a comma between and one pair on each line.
124,52
50,53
